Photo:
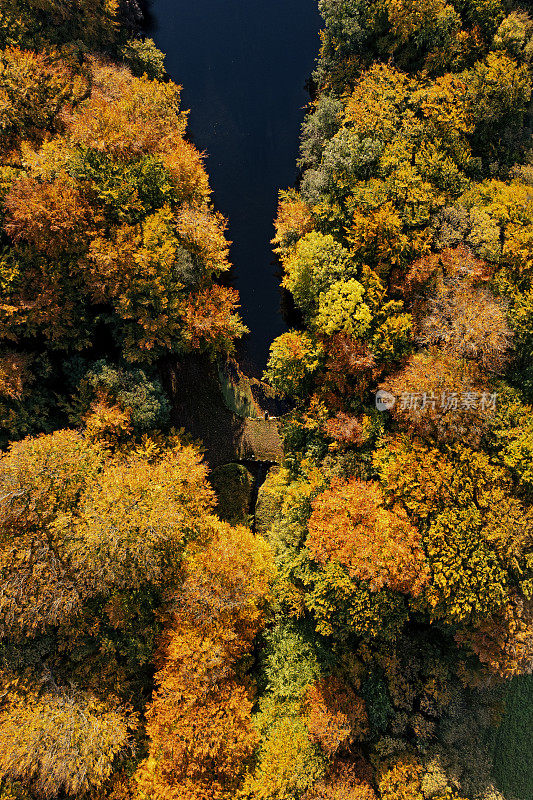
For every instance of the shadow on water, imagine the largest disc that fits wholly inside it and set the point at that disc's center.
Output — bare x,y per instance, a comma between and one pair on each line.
244,65
149,21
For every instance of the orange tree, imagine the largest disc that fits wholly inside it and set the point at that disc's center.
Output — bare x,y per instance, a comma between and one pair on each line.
94,544
110,245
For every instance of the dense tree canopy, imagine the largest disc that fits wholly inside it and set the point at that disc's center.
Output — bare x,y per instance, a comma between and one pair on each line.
363,648
110,258
403,534
110,246
98,546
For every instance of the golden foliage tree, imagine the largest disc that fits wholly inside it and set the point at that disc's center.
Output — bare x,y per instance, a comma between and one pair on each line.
336,716
113,211
350,525
61,743
199,722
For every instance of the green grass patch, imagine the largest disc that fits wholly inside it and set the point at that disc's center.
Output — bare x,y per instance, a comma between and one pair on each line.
513,753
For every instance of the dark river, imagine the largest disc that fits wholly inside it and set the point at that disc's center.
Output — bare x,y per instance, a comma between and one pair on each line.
243,65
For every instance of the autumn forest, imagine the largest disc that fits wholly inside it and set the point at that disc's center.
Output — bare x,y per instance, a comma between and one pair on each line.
331,597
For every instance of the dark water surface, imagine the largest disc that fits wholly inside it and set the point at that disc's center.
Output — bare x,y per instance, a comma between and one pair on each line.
243,65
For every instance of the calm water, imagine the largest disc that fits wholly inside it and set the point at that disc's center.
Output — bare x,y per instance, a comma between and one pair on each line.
243,65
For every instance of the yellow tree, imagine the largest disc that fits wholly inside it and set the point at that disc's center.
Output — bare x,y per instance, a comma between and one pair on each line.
92,544
199,722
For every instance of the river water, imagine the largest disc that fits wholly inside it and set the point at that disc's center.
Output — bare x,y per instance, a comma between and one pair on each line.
243,65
